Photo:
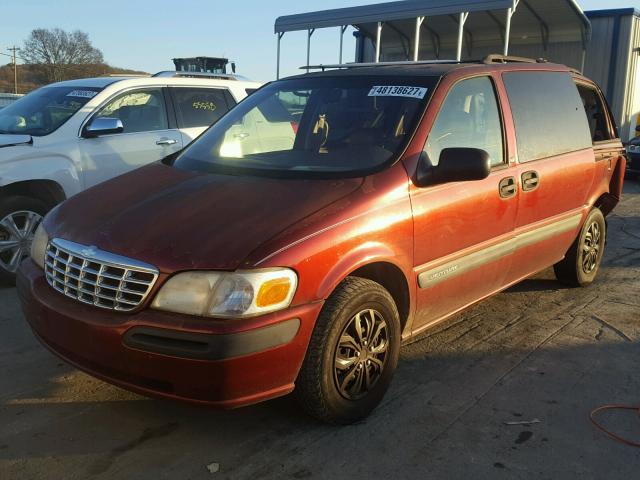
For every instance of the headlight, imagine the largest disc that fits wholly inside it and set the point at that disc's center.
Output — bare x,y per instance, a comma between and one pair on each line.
39,246
239,294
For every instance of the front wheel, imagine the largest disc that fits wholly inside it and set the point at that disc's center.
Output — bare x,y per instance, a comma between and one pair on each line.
19,219
582,262
352,355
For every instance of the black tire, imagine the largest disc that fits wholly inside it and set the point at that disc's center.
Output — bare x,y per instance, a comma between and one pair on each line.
8,206
317,386
582,261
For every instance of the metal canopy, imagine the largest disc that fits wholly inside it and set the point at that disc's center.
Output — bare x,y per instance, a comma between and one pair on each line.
384,12
418,29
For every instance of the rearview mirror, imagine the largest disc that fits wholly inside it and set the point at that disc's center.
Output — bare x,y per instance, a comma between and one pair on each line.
103,126
455,165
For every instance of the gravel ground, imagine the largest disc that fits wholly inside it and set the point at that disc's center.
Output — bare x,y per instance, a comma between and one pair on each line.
535,352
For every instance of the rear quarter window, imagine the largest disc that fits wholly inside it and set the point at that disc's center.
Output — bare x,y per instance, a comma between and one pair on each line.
200,107
548,114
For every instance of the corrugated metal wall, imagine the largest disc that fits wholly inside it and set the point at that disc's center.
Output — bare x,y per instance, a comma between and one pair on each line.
612,61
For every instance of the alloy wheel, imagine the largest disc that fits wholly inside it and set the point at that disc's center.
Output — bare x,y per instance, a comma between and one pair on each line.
361,354
16,234
591,248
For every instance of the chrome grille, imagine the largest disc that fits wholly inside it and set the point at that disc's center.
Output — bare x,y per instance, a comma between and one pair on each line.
98,278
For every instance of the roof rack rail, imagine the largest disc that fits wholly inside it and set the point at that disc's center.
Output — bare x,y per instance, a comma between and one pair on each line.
379,64
497,58
127,75
214,76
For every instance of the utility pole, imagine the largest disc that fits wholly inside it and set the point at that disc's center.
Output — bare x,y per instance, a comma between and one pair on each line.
14,49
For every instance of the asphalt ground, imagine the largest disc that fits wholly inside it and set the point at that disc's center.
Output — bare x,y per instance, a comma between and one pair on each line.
538,351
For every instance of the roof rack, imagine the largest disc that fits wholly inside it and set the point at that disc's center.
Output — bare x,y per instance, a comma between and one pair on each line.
490,59
128,75
378,64
214,76
497,58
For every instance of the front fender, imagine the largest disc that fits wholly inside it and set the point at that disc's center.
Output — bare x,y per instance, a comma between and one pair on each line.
363,255
56,168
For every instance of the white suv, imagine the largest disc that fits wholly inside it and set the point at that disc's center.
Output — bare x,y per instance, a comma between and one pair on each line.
69,136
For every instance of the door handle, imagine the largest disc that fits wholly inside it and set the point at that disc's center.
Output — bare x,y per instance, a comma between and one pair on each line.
166,141
530,181
508,187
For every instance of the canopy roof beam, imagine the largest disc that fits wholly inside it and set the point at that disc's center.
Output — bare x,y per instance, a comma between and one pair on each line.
544,27
403,38
502,28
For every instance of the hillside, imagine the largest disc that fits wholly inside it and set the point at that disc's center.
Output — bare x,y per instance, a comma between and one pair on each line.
31,77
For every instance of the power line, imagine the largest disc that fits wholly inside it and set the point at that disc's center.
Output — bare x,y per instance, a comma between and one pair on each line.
14,49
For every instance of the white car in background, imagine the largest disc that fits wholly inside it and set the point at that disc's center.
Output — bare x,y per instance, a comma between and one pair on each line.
69,136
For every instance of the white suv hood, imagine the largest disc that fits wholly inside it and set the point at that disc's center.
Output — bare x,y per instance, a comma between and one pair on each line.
10,140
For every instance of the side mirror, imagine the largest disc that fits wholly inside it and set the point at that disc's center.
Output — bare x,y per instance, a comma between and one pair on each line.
103,126
455,165
637,128
233,67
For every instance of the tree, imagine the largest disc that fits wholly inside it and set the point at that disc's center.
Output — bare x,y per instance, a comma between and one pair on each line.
60,53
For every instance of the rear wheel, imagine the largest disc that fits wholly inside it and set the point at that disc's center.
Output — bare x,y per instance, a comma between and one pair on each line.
352,355
19,219
582,262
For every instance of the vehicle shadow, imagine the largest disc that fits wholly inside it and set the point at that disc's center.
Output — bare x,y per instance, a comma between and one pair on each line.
445,413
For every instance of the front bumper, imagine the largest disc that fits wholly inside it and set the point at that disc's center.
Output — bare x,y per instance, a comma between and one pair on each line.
228,363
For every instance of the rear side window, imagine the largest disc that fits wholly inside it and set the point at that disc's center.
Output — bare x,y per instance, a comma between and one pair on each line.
596,113
548,113
200,107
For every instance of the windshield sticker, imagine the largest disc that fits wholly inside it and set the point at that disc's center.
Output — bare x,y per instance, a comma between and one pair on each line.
82,93
396,91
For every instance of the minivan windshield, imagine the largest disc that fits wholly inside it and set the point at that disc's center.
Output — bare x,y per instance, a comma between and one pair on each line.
44,110
341,126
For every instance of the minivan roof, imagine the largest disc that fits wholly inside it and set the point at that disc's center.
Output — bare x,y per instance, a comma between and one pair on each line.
425,69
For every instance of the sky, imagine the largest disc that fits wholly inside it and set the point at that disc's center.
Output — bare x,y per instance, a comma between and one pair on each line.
146,34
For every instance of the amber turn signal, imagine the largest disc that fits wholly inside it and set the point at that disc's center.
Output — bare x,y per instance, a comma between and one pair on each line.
273,292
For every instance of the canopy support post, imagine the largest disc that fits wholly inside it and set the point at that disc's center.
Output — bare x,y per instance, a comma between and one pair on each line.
507,31
280,35
461,22
378,41
585,42
416,45
342,30
309,34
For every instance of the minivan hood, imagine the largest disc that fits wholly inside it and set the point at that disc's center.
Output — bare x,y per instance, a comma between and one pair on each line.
11,140
180,220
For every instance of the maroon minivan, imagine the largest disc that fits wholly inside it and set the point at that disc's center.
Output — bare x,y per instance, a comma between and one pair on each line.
322,222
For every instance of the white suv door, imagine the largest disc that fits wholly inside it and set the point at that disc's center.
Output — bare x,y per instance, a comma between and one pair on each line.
147,136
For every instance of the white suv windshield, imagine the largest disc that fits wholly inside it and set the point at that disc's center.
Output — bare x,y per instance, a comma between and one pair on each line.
319,125
44,110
